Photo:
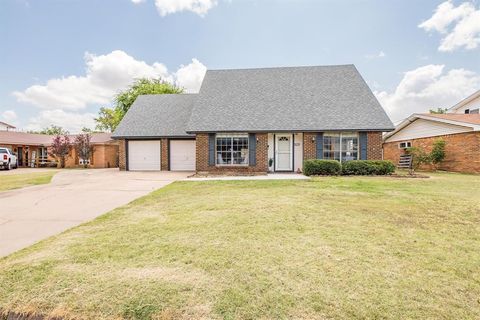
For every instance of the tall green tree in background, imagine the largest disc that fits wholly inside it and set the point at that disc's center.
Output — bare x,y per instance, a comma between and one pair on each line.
439,111
53,130
109,118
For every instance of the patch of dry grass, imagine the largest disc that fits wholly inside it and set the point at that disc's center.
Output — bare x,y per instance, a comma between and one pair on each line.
338,247
22,180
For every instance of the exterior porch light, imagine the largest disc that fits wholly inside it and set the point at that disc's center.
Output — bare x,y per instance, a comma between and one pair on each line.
313,138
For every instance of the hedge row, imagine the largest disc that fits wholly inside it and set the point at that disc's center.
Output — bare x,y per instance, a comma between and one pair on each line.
353,167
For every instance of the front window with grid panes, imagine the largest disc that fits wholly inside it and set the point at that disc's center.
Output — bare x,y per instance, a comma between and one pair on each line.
231,149
340,146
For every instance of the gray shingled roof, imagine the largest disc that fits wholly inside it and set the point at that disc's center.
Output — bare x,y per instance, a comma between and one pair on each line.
161,115
287,99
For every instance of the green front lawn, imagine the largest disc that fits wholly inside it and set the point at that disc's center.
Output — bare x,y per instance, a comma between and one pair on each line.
21,180
340,247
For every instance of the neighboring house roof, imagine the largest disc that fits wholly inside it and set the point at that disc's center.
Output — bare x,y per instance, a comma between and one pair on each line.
35,139
24,138
287,99
465,101
161,115
465,118
97,137
7,125
471,122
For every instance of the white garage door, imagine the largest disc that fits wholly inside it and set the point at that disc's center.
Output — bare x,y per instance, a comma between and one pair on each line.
182,155
144,155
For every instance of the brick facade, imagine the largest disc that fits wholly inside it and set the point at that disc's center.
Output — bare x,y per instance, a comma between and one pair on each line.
374,145
164,154
261,157
104,156
462,151
374,151
122,155
309,145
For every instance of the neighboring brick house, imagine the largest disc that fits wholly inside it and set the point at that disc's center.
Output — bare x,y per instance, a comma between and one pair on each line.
459,128
256,121
32,149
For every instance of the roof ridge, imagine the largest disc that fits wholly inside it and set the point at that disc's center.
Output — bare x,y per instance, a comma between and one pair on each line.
286,67
168,94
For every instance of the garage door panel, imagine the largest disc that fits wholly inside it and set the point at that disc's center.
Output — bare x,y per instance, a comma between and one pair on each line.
182,155
144,155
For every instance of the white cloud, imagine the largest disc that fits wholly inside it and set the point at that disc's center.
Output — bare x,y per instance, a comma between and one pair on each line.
10,116
460,25
380,54
138,1
71,121
200,7
105,75
428,87
191,76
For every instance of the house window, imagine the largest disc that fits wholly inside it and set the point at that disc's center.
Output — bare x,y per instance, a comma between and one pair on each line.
231,149
42,155
474,111
341,146
404,145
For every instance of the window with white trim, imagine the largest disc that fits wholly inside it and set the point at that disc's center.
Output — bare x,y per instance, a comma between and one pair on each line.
405,145
340,146
231,149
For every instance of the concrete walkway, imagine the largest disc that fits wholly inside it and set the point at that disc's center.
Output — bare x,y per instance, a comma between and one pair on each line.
74,196
270,176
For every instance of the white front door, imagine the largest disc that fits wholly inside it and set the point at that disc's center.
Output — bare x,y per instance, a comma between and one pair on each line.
182,155
283,152
144,155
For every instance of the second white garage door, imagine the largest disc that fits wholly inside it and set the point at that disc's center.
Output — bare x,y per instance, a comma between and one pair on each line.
182,155
144,155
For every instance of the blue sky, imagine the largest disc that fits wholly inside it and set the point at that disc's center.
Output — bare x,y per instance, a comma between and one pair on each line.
62,60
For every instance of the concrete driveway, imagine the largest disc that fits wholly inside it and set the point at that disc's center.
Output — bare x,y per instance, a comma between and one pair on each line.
74,196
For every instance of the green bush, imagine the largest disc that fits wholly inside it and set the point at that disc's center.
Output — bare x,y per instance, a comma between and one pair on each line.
368,167
438,151
322,168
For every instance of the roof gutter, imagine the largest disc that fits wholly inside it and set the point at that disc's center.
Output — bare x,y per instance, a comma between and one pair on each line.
152,137
290,130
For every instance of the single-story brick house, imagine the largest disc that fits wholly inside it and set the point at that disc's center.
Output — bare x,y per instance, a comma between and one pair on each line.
32,149
459,128
256,121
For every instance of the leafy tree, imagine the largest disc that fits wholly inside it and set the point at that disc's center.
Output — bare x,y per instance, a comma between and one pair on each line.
438,152
438,111
60,148
83,147
419,157
109,118
52,130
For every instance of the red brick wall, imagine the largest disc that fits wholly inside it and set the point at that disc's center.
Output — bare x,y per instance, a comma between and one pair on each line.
110,156
374,145
202,157
462,151
122,156
164,154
